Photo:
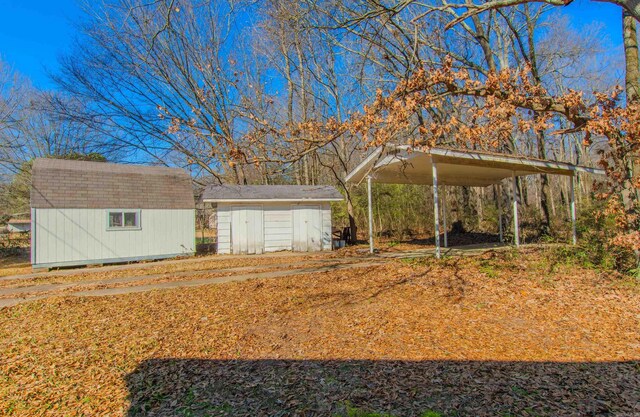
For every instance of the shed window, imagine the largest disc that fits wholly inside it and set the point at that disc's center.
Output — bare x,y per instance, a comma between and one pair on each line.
123,219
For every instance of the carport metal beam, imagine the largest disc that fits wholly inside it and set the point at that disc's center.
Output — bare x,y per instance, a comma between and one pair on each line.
574,236
444,216
436,220
516,226
370,212
499,197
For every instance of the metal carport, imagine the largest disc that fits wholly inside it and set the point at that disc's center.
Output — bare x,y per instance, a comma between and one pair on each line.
403,164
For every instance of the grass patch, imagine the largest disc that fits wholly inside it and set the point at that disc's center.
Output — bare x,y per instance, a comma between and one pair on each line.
351,411
489,269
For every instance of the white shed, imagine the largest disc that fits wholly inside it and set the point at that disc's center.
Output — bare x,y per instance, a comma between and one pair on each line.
95,212
268,218
19,225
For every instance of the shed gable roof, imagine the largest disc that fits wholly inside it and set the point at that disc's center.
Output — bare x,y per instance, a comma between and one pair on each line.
59,183
248,193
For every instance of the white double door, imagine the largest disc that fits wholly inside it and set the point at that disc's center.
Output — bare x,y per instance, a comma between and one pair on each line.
307,228
247,230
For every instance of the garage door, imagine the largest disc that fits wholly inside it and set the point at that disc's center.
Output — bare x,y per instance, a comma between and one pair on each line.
307,228
247,233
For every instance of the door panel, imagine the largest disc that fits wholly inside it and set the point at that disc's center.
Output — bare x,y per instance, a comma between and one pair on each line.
247,232
307,228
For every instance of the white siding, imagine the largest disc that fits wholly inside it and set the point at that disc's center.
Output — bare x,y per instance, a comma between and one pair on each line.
19,227
277,226
80,236
224,229
326,226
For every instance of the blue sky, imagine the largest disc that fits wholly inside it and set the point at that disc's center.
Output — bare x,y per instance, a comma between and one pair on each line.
33,33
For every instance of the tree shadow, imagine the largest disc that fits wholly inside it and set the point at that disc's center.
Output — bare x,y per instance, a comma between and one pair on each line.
199,387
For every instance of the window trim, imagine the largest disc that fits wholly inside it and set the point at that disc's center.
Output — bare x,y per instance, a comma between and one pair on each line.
137,212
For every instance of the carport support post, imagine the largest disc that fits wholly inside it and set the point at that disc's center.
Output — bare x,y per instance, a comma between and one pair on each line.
436,219
499,197
574,237
444,215
369,198
516,227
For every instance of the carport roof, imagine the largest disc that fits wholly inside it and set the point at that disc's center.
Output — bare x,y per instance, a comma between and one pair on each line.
269,193
402,164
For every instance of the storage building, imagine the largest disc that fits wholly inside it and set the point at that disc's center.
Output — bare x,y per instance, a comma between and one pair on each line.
268,218
19,226
95,212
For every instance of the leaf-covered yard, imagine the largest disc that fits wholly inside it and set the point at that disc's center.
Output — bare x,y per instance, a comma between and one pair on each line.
495,335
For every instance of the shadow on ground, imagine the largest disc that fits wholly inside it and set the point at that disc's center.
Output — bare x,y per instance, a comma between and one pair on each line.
456,239
193,387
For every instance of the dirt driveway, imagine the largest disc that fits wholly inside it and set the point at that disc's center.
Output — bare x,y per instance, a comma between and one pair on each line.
190,272
197,271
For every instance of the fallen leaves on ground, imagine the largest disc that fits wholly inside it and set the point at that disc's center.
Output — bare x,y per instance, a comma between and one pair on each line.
155,268
13,265
498,334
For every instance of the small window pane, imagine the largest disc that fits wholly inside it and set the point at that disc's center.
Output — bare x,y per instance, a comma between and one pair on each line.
130,219
115,219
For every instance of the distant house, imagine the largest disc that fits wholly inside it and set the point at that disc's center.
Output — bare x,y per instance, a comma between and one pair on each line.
94,212
267,218
19,225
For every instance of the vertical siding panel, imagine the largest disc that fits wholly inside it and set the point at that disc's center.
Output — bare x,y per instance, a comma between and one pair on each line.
61,234
44,248
71,232
98,239
32,252
191,232
326,226
50,242
73,222
160,239
224,229
41,246
82,237
152,235
78,235
171,229
90,245
71,229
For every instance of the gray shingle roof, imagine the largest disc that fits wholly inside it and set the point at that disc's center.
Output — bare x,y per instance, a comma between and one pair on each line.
59,183
215,193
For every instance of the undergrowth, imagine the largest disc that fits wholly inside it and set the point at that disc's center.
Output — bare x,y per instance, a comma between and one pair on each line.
351,411
594,249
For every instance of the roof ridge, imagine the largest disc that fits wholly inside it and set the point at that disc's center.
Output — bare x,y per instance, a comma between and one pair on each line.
114,167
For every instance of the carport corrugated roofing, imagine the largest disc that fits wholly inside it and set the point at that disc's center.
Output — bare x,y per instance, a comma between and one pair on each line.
405,165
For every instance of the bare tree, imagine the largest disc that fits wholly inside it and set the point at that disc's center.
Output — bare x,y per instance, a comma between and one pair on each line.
163,79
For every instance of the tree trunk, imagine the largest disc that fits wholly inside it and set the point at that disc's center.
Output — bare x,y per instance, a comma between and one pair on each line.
632,69
632,88
352,221
545,191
